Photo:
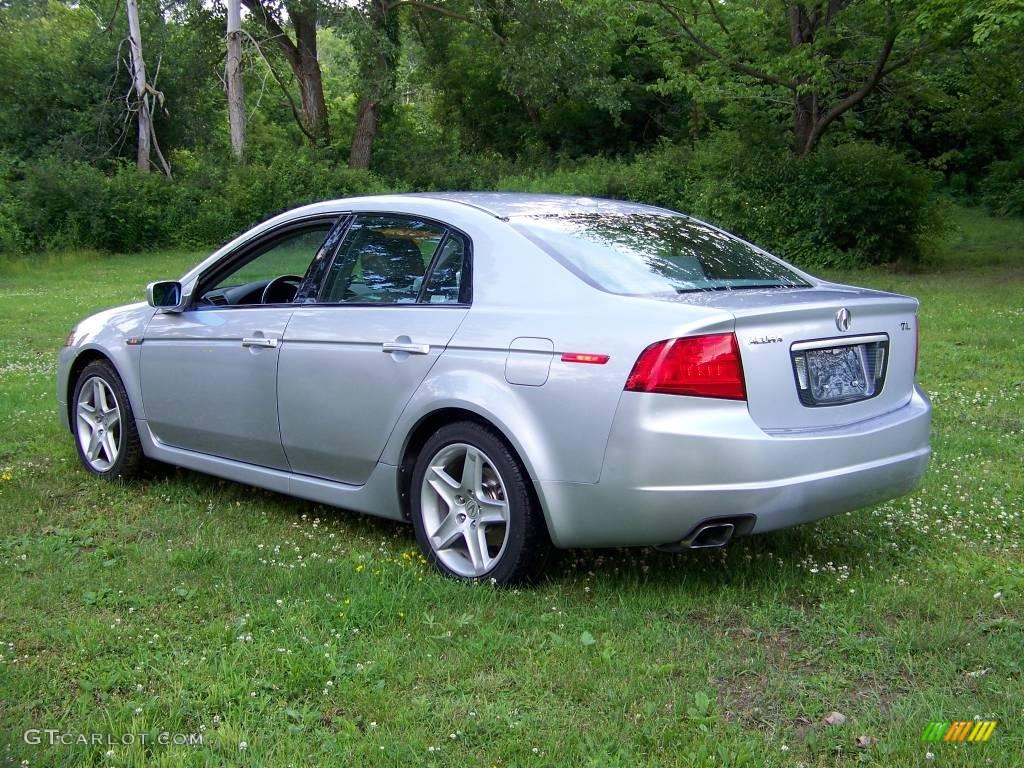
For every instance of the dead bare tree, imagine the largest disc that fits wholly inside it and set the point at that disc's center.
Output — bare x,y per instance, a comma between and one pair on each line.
146,96
233,77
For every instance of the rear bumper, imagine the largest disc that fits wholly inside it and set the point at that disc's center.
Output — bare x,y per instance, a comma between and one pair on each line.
673,462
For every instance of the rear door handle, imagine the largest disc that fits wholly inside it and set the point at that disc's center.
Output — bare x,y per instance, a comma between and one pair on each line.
401,346
258,341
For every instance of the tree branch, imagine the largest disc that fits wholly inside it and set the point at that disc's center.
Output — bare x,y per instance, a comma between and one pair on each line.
277,33
280,82
855,98
430,7
714,53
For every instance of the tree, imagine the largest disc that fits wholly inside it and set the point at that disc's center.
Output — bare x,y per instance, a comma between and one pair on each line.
825,57
301,55
233,78
147,96
379,53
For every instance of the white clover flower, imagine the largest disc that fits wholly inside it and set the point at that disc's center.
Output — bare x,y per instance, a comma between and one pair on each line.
242,746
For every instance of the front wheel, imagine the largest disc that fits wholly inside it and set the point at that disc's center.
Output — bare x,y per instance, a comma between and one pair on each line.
104,425
472,508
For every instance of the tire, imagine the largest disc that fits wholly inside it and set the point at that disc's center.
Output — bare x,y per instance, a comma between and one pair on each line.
483,520
103,424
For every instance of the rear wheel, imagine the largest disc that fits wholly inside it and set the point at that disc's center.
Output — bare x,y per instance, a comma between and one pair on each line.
472,508
104,425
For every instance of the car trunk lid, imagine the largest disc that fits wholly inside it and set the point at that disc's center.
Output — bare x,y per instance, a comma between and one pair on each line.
821,357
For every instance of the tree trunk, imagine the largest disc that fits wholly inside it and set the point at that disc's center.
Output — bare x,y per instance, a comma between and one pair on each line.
235,87
364,134
805,117
805,102
377,72
145,117
311,87
301,55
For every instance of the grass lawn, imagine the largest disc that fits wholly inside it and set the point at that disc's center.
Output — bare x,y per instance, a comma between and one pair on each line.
287,633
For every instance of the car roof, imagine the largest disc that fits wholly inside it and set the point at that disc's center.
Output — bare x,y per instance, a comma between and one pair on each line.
505,205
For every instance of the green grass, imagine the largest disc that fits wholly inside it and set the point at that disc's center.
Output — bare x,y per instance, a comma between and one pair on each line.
185,604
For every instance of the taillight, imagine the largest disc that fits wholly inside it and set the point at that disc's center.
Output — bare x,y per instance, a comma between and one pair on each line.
702,366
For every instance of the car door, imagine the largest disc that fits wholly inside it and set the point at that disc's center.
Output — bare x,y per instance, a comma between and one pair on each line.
209,373
393,297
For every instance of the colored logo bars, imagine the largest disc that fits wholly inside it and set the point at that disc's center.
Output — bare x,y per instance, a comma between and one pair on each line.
964,730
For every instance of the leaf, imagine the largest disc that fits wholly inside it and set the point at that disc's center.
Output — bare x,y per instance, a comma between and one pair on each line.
294,715
835,718
587,639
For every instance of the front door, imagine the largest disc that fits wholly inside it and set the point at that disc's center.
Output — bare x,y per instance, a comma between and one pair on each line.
391,301
209,374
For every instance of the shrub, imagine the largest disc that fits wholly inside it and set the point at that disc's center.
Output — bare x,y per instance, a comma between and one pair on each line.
59,204
1002,190
850,204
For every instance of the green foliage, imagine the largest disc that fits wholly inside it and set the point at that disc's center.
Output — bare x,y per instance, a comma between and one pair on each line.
58,204
854,203
1003,189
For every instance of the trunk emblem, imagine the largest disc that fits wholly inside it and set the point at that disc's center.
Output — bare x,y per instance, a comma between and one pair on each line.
843,319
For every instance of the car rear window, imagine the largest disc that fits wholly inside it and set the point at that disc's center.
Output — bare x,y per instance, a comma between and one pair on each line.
649,253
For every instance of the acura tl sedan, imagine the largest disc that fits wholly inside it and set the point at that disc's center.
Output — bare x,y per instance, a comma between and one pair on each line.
510,373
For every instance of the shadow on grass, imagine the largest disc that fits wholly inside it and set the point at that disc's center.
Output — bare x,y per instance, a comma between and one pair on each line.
750,561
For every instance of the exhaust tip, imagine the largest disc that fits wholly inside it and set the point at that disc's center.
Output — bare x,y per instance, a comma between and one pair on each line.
710,536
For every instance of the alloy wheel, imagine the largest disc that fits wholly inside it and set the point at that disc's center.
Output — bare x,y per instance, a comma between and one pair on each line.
465,510
98,424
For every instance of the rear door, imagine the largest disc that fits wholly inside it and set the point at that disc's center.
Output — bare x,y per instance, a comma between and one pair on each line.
391,300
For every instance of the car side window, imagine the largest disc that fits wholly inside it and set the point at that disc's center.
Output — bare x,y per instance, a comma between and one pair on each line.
382,260
270,273
444,285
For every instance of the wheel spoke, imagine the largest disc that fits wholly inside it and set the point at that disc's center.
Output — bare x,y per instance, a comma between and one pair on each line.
447,532
99,396
87,417
93,450
472,471
477,549
493,513
113,419
443,489
110,447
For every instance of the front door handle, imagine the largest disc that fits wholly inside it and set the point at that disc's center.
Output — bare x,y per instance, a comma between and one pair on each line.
258,341
402,346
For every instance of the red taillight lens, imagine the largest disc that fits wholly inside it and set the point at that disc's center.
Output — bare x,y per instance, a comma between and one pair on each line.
702,366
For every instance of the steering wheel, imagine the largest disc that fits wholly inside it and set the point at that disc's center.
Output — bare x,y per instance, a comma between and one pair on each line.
278,286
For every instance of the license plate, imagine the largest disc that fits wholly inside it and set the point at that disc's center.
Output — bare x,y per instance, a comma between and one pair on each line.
831,375
837,373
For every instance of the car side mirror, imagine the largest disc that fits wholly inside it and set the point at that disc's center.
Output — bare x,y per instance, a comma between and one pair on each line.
165,294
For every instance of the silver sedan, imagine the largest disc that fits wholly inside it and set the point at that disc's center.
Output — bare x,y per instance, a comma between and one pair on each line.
510,372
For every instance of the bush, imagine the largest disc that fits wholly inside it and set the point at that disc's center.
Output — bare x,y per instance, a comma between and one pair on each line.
850,204
51,204
1002,189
